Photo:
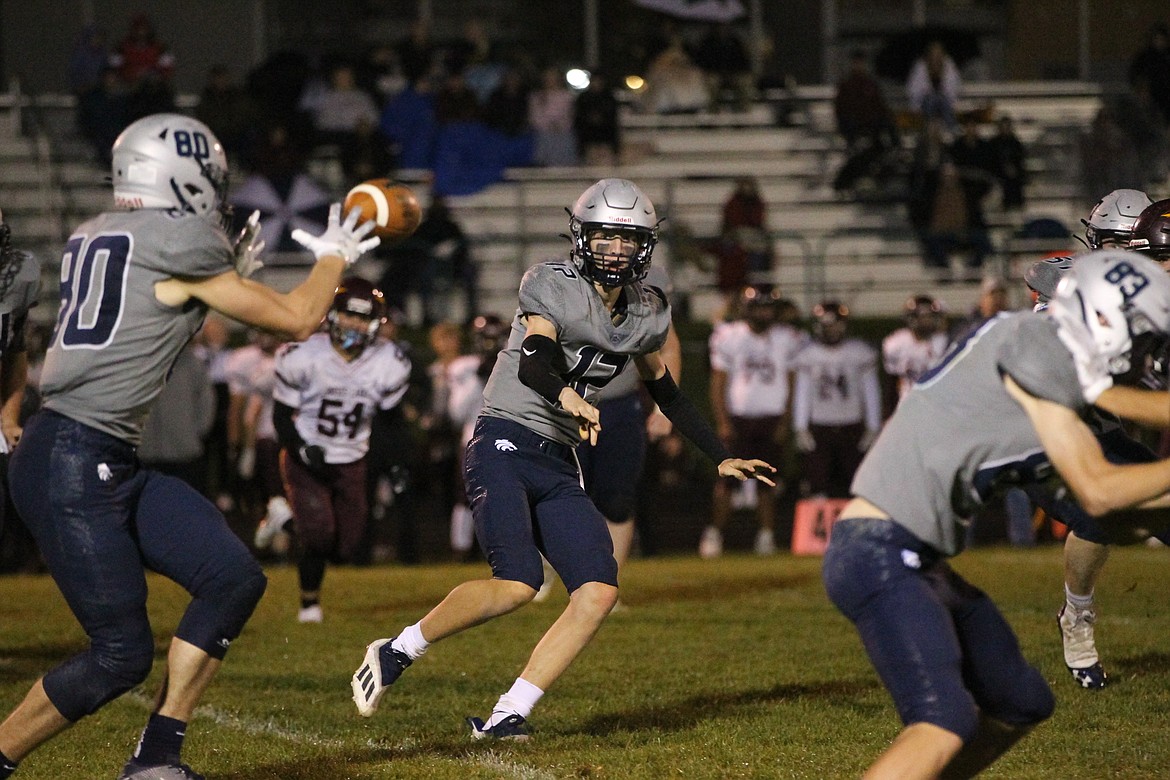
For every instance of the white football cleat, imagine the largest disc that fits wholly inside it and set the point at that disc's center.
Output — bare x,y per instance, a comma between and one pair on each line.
1080,650
765,542
279,513
373,677
711,543
310,614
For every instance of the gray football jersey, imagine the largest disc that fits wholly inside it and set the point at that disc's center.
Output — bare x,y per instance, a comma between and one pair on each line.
593,350
114,342
629,381
20,286
958,438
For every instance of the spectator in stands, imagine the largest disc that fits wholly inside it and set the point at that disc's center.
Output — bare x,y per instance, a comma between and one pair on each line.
744,249
102,113
408,122
723,57
380,74
342,107
455,102
434,260
674,84
88,60
596,123
1109,160
1010,157
551,116
416,52
366,156
472,55
864,120
228,110
934,85
506,108
182,415
1151,67
1146,127
946,203
140,54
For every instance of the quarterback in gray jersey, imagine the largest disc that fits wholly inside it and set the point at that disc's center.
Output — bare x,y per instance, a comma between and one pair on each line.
1003,408
580,322
136,283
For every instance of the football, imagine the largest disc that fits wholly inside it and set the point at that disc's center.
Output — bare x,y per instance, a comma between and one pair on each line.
393,207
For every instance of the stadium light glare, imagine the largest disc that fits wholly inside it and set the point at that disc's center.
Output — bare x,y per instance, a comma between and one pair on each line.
577,78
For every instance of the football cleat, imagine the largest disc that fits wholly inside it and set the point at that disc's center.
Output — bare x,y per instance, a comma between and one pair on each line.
380,668
711,543
310,614
135,771
513,728
1080,651
279,513
765,542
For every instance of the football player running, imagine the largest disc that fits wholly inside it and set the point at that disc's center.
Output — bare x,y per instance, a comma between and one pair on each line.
328,389
1002,408
1118,220
136,283
578,324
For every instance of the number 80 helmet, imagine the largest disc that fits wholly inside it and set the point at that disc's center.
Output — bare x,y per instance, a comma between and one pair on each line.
171,161
619,206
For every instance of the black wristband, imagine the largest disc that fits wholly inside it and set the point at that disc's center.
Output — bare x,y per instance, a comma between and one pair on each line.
538,355
686,417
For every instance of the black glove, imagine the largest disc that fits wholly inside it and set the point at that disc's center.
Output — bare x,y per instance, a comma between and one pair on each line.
312,457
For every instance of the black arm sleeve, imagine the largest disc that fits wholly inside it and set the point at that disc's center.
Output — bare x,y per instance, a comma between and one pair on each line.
686,417
286,429
537,356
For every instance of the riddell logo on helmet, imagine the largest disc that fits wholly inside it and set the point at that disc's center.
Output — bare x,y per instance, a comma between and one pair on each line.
129,203
622,219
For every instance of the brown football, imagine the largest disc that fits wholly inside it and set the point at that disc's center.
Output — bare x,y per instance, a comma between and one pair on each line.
393,207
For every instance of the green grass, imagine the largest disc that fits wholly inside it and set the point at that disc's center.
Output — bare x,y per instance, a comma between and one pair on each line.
718,669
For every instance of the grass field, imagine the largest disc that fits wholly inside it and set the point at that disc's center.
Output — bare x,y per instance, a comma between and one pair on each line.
731,668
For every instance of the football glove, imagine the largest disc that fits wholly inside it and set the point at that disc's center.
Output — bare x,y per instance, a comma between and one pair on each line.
344,239
312,457
248,246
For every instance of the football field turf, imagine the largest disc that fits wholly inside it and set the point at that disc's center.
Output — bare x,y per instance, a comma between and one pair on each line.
737,667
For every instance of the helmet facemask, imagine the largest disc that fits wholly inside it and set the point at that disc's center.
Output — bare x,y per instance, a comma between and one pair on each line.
622,255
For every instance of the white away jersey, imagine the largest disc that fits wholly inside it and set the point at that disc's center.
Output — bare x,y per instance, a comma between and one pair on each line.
836,385
757,367
907,358
464,394
336,399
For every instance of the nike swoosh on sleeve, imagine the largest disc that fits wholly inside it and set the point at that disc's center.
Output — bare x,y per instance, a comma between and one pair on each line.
528,351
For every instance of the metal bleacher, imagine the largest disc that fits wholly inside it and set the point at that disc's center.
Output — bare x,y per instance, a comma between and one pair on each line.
860,251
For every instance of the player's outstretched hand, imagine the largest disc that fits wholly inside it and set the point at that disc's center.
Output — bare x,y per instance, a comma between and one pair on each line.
248,247
742,469
346,240
588,418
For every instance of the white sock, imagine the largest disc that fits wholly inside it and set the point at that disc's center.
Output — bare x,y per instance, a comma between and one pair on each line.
1078,601
411,642
519,700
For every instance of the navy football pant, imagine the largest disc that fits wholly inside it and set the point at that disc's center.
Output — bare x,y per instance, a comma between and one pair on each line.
613,467
939,644
526,499
101,521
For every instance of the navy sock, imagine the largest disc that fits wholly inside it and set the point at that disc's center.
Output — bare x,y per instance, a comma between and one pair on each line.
161,742
7,766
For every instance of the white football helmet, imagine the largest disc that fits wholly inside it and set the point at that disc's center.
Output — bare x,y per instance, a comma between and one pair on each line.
614,206
1114,216
171,161
1120,303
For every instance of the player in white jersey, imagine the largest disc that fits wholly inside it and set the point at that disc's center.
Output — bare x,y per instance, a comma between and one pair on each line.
259,459
910,352
328,390
751,364
837,407
467,376
136,284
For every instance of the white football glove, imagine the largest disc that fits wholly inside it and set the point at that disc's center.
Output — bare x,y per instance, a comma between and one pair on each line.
248,247
343,239
805,441
867,439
